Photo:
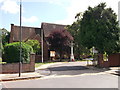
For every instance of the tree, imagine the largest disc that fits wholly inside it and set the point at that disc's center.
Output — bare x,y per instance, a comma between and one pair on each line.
35,45
74,29
99,28
4,39
5,36
59,40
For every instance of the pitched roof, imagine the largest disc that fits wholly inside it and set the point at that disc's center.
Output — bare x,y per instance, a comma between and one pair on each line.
27,32
49,27
34,32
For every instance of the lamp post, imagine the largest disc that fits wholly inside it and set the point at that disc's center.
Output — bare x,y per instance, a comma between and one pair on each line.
20,62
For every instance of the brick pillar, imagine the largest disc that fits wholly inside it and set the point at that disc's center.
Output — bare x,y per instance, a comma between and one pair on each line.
32,62
100,60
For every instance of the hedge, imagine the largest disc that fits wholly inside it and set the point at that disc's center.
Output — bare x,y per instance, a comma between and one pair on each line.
12,52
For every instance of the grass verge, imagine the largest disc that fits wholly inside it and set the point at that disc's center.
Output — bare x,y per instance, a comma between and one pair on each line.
40,64
1,61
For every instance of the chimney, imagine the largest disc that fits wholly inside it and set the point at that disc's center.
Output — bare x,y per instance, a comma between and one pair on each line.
11,33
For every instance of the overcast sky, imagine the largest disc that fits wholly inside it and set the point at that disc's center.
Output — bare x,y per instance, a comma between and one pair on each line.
52,11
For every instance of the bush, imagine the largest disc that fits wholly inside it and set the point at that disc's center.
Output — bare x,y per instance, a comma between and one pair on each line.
35,45
12,52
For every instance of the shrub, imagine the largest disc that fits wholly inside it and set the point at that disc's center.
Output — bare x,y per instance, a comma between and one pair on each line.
12,52
35,45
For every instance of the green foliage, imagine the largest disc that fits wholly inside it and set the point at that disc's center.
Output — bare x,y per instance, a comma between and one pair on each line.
4,39
59,41
35,45
105,57
12,52
74,29
99,28
5,36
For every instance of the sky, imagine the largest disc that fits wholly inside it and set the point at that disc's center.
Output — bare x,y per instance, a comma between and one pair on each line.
34,12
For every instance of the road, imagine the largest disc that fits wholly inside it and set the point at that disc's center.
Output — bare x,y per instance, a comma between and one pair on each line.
69,75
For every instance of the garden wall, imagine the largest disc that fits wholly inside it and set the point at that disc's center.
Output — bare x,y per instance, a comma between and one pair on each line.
113,60
101,62
38,58
14,68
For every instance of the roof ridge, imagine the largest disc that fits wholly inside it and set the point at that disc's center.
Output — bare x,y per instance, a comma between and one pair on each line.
27,26
53,24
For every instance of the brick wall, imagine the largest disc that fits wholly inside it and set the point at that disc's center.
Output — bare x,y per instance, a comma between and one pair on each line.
14,68
101,62
38,58
114,59
45,52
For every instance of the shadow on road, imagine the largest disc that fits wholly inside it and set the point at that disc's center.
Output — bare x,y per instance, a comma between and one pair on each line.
67,68
73,70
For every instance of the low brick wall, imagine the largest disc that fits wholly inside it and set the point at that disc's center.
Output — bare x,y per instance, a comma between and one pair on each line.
14,68
114,59
101,62
38,58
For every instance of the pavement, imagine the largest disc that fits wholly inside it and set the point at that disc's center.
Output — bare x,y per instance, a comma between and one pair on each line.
26,76
36,74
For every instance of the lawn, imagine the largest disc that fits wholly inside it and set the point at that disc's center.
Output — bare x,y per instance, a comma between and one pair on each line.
63,60
39,64
1,61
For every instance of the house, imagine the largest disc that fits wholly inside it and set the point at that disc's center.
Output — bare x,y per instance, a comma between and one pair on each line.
34,33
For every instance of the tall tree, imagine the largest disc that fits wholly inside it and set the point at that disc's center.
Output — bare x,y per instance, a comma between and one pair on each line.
99,28
59,40
74,29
